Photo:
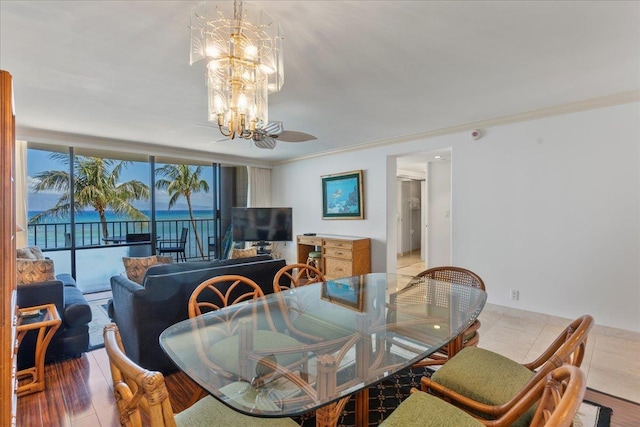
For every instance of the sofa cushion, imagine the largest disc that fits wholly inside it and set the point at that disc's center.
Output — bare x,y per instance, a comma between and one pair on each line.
244,253
30,252
136,267
66,279
34,271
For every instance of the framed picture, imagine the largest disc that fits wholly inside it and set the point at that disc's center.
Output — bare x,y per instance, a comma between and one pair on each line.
347,293
342,196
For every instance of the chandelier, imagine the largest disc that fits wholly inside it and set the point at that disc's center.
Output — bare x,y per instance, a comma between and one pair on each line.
243,50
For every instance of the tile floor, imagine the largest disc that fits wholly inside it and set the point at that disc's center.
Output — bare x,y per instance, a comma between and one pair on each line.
611,363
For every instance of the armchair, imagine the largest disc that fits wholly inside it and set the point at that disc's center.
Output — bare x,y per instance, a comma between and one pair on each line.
72,338
488,384
558,397
138,390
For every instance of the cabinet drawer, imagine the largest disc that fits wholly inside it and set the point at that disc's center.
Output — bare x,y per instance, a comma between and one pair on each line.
338,253
310,240
335,268
338,244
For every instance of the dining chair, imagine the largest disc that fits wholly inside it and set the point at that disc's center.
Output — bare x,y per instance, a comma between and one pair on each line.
489,384
306,326
470,336
174,246
295,275
223,291
555,400
138,250
138,390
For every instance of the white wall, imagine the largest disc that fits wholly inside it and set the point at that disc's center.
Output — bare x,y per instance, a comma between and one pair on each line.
550,207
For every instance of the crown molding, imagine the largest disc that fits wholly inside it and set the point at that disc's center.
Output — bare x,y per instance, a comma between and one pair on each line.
573,107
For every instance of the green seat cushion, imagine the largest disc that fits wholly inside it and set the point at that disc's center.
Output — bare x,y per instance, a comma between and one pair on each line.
485,377
317,324
424,410
210,412
225,352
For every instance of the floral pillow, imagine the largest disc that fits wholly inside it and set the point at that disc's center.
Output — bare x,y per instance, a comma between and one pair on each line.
244,253
35,270
30,252
136,267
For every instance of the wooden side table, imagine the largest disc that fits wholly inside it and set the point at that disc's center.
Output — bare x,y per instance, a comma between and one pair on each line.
46,320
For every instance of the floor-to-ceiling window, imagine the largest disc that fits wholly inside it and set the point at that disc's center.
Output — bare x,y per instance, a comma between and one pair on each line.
84,204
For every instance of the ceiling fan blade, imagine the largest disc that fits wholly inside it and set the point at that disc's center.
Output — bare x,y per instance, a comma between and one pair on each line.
273,128
293,136
266,142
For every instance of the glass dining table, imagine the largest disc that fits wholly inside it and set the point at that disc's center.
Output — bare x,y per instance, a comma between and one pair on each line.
312,347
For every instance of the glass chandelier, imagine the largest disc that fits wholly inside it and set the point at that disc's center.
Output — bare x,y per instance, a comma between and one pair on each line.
243,50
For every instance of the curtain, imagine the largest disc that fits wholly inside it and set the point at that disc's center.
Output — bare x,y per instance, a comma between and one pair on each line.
259,187
22,193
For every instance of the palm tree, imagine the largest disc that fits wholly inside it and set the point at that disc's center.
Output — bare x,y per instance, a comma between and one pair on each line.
96,185
182,181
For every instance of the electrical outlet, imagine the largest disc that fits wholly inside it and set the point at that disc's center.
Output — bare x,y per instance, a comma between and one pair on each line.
515,295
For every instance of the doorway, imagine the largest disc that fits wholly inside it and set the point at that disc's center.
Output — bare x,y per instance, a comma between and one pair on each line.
423,211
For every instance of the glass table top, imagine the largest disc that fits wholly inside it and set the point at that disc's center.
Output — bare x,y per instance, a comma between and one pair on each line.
291,352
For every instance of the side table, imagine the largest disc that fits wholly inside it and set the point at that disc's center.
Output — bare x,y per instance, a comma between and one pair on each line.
46,320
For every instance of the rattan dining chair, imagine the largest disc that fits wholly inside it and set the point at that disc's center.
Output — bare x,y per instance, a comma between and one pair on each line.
137,391
295,275
471,335
489,384
557,397
305,326
223,291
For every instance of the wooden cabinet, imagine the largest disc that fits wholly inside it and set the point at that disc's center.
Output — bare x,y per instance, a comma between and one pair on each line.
342,256
8,312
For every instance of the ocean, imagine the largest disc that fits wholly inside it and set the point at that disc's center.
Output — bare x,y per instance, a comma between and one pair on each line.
92,216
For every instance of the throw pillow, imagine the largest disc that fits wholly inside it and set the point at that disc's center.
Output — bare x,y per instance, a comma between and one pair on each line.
35,271
136,267
30,252
244,253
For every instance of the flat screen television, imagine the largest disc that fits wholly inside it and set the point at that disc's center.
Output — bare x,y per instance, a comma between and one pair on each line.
261,225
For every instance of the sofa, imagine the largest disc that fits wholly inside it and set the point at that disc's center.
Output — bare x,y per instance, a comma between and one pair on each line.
72,338
143,311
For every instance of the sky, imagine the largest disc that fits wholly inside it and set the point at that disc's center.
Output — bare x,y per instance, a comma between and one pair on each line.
38,161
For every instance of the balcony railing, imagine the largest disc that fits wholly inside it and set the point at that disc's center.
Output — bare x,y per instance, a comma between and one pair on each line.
88,235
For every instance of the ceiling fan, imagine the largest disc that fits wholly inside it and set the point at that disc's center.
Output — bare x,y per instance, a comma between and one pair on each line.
266,137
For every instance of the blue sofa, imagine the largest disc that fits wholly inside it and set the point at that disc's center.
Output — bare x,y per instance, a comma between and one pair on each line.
142,312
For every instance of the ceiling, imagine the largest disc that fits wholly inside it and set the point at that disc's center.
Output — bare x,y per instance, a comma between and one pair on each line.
356,72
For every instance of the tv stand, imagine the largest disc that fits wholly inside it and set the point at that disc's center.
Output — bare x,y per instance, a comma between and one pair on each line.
262,247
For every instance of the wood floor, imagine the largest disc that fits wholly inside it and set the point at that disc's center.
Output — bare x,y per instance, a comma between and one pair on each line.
78,394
